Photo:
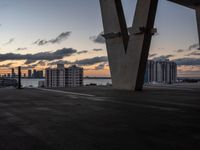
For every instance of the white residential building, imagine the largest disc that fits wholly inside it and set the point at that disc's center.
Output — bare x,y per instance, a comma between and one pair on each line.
64,77
73,76
162,71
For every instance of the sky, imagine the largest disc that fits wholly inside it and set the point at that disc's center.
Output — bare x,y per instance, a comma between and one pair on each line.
38,34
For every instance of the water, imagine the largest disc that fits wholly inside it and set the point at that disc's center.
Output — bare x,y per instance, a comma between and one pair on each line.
34,82
97,81
30,82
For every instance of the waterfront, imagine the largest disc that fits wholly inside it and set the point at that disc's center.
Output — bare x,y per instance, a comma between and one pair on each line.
34,82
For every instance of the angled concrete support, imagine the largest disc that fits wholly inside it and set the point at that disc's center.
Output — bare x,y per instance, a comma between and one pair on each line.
198,21
128,52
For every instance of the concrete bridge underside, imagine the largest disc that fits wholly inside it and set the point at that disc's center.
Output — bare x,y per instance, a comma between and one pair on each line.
128,48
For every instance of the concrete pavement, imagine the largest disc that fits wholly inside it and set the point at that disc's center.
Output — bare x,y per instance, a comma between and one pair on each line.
97,118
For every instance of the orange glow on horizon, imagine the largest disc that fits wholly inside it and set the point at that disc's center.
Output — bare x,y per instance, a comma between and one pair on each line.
97,73
183,71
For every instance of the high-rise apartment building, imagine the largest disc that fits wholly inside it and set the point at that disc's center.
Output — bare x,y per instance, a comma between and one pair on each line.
39,74
64,77
13,75
34,73
73,76
162,71
29,73
55,77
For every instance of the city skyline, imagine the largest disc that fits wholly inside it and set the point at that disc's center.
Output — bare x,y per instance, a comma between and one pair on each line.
38,34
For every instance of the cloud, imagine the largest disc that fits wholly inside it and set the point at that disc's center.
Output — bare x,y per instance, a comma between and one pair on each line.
60,62
193,46
63,36
162,57
41,42
82,52
194,54
98,39
6,65
41,63
180,50
152,55
59,54
21,49
29,61
28,67
83,62
97,49
100,66
10,41
91,61
188,61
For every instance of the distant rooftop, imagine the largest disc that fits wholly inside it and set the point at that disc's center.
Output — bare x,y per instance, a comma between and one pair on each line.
187,3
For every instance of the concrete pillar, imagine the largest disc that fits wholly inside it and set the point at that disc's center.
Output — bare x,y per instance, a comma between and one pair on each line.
128,53
198,21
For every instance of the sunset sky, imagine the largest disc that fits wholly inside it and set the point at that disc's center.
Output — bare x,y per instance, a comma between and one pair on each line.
40,33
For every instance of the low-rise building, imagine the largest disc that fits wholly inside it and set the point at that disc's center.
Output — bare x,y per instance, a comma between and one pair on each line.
5,82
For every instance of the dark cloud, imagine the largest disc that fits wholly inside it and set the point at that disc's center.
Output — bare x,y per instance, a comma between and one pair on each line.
193,46
188,61
6,65
194,54
100,66
28,67
60,62
83,62
29,61
10,41
98,39
40,42
163,57
82,52
59,54
41,63
63,36
91,61
97,49
180,50
21,49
